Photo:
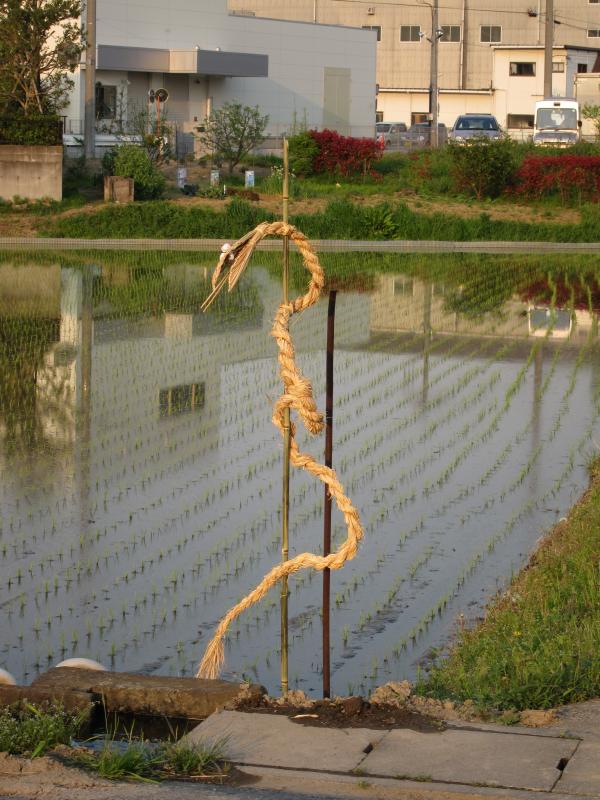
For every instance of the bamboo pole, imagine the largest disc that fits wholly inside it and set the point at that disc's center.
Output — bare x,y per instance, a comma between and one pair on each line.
327,504
286,446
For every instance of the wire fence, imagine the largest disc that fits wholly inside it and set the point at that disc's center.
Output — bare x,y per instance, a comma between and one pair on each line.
320,245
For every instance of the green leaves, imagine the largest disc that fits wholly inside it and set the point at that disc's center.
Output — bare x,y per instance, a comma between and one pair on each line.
232,131
134,162
483,167
40,45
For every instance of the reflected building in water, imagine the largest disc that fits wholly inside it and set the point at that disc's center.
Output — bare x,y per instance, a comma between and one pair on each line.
405,304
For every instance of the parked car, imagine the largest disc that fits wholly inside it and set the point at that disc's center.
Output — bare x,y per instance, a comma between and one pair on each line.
388,133
471,126
420,132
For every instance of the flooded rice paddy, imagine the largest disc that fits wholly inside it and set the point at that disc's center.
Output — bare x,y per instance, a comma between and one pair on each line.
140,473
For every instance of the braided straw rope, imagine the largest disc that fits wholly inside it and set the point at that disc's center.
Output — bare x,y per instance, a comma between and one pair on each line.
297,394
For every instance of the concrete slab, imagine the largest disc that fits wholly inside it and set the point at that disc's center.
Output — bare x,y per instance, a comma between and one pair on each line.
582,773
579,719
70,701
471,757
144,694
272,741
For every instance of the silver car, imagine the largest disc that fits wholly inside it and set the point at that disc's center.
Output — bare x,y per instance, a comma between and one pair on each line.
388,133
470,126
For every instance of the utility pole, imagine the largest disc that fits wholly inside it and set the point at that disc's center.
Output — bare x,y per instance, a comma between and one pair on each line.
436,33
89,130
548,43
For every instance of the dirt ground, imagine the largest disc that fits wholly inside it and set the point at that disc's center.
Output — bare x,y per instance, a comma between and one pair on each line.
349,712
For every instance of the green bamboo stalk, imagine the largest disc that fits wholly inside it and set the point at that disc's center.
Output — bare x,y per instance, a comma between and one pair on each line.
286,446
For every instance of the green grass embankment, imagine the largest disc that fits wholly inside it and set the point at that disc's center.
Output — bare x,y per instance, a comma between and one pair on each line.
539,645
339,220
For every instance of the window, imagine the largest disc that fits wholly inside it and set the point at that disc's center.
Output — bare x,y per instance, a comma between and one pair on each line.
403,287
376,28
523,68
418,116
558,66
581,68
594,33
519,121
106,101
410,33
379,116
593,1
490,33
451,33
181,399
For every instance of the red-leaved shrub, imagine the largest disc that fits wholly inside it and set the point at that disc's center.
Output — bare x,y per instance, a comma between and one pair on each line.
570,176
344,155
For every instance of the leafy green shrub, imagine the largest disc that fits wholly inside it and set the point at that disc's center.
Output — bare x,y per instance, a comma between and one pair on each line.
35,130
483,167
134,162
108,161
32,730
303,150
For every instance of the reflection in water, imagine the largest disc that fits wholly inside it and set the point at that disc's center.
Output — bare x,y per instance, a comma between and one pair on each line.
141,473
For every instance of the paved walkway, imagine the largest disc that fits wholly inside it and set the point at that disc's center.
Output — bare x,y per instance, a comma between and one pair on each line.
560,761
283,760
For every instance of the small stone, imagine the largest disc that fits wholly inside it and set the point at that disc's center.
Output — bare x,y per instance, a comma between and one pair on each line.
351,705
448,705
537,719
295,698
392,693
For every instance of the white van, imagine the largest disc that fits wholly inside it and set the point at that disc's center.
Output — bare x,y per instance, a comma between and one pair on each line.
557,122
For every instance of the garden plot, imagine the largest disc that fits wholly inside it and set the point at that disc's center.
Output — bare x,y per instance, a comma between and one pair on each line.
141,473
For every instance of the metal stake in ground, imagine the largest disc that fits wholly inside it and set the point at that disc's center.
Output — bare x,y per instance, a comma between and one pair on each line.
327,504
285,511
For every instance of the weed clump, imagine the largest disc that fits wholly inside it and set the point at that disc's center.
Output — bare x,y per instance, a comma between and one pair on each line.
31,730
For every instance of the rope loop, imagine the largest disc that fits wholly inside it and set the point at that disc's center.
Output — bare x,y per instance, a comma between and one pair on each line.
297,395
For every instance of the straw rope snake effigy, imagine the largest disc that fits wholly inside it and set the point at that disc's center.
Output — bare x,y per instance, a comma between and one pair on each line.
297,395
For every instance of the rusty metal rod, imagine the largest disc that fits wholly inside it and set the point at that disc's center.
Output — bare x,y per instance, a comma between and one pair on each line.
327,504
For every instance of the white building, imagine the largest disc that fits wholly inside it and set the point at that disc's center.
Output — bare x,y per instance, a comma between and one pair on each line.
321,76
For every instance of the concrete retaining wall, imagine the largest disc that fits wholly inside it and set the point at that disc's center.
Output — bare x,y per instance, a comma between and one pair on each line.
30,171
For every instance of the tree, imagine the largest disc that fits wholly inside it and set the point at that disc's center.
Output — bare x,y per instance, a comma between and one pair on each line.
592,112
40,45
232,131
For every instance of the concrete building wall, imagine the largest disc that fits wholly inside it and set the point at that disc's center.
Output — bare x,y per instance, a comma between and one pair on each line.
587,90
33,172
301,61
466,64
400,106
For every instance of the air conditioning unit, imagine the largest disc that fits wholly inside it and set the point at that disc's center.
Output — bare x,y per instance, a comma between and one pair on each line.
371,10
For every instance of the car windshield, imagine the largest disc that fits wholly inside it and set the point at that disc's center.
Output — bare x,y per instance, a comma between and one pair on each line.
557,119
476,124
383,127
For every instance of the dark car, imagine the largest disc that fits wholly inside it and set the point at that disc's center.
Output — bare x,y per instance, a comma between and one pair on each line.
471,126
